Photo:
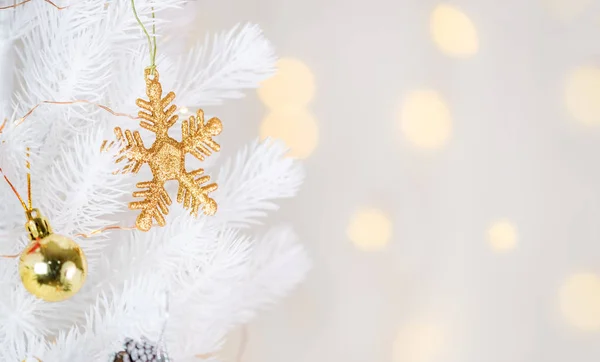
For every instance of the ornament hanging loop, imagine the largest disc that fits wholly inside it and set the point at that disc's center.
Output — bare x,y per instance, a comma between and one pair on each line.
151,75
37,226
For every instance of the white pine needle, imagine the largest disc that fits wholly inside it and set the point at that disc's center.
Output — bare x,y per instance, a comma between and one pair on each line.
223,66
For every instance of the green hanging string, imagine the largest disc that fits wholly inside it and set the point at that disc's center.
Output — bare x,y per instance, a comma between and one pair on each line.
151,39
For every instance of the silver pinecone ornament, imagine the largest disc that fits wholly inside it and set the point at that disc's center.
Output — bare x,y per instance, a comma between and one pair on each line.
143,351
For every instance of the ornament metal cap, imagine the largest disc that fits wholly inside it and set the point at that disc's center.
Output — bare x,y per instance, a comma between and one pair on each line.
37,225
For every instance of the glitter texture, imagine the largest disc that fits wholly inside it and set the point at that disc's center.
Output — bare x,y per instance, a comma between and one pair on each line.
166,156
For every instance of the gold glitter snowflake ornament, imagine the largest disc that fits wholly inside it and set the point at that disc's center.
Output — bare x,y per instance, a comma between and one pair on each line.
166,156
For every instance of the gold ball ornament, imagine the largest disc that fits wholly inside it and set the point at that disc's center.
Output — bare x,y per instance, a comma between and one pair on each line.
52,267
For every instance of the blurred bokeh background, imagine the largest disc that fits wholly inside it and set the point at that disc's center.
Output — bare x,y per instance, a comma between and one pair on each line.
452,203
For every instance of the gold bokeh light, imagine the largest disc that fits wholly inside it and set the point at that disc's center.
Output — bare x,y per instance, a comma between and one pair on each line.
298,128
502,236
453,32
370,229
580,301
582,94
425,119
419,342
292,86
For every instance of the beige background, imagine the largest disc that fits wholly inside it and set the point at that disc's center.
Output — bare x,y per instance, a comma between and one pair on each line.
452,204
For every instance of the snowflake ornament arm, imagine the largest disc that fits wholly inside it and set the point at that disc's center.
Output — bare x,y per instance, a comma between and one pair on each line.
166,157
193,194
155,204
196,135
158,120
134,150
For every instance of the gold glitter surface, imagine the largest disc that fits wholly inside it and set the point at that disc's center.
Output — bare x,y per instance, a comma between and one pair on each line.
166,156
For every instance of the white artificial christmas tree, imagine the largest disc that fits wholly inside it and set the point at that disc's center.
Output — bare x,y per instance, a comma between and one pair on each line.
194,279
